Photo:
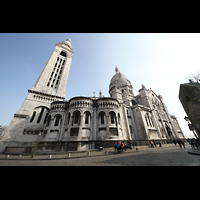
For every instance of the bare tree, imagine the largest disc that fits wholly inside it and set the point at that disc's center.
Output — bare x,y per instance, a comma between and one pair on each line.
194,78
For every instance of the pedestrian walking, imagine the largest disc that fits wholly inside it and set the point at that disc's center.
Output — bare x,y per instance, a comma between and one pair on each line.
130,145
182,142
151,143
189,141
115,146
154,143
174,141
124,146
160,144
195,143
118,147
192,144
179,143
100,148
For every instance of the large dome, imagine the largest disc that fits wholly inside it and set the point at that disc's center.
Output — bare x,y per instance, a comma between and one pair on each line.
119,79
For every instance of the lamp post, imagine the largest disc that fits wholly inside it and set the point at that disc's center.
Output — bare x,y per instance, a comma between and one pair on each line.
191,127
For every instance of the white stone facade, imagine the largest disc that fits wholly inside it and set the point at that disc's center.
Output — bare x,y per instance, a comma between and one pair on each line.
49,87
122,116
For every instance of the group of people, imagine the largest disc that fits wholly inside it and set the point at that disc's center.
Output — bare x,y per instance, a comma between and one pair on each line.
153,143
120,147
180,143
194,142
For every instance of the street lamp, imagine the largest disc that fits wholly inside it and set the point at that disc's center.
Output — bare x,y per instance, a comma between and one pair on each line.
186,119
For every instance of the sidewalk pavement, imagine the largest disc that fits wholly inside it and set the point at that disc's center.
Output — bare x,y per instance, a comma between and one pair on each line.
71,155
194,151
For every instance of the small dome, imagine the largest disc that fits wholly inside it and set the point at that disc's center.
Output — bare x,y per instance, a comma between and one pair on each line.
120,78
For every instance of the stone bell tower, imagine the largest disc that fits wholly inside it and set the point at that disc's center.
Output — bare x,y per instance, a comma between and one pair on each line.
50,86
53,78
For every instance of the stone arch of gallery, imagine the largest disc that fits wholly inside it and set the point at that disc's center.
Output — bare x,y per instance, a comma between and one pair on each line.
58,117
68,118
48,120
76,118
112,118
63,54
169,131
87,117
41,110
102,116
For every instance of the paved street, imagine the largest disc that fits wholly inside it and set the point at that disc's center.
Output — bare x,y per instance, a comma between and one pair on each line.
166,156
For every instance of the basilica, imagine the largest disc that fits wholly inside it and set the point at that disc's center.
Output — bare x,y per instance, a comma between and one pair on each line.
46,116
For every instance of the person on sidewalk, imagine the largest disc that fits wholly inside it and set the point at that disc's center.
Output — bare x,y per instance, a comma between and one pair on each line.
151,143
118,147
154,143
130,145
179,143
182,142
100,148
174,141
122,147
160,144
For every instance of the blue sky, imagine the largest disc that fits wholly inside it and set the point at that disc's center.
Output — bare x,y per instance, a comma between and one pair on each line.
159,61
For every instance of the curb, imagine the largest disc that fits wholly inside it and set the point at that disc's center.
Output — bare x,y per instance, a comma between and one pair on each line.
104,153
194,151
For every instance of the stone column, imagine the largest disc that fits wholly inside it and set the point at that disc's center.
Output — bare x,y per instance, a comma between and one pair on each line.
166,134
107,127
51,124
91,127
69,125
62,129
127,124
95,124
80,127
156,123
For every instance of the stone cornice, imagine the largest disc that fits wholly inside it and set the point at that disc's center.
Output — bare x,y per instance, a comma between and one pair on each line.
65,47
49,95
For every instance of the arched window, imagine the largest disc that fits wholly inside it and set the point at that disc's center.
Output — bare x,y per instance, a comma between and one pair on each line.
149,119
169,131
119,118
146,120
45,119
101,116
63,54
87,117
112,117
58,117
133,102
131,129
49,119
40,116
76,118
68,118
33,116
